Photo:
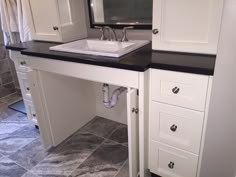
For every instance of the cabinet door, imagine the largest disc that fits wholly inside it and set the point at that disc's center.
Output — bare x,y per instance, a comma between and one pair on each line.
187,25
132,118
45,20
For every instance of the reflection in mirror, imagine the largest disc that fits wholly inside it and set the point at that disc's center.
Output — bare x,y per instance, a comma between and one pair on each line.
121,12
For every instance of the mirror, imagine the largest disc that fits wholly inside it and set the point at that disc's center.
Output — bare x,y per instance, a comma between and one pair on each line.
121,13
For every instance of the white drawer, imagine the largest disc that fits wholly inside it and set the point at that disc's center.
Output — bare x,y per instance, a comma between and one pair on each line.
178,127
31,114
21,65
170,162
25,85
181,89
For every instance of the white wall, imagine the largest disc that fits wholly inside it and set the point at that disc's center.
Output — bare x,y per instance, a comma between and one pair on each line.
219,157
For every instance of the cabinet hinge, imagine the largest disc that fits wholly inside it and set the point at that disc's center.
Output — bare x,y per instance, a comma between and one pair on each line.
135,110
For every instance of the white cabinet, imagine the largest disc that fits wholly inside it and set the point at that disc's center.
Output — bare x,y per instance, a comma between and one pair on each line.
187,25
178,108
57,20
23,70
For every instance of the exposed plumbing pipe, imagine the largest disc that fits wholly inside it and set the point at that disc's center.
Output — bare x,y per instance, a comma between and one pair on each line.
111,102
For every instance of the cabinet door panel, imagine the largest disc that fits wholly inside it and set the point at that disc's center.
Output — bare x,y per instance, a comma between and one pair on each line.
44,21
187,25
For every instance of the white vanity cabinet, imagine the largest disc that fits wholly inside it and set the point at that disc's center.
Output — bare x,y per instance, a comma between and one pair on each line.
57,20
187,25
62,95
22,70
178,109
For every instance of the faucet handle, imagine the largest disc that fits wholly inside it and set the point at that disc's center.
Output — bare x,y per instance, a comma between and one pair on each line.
124,38
101,28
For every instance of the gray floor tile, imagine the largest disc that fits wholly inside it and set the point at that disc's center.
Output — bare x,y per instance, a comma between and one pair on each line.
7,128
124,171
101,127
104,162
27,131
30,155
11,98
120,135
29,174
10,169
9,115
10,142
69,156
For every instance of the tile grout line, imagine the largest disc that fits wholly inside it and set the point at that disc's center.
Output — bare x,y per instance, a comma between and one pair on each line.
89,155
127,161
69,138
105,139
15,163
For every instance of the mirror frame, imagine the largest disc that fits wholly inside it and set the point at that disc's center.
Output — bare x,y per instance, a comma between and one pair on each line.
118,25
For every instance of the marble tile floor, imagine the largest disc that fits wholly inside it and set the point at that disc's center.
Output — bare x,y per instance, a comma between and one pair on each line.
98,149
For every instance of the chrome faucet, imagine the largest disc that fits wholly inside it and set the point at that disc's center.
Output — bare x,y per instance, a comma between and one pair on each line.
102,29
124,38
113,33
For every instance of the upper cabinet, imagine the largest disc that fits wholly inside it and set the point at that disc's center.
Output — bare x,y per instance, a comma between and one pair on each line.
187,25
57,20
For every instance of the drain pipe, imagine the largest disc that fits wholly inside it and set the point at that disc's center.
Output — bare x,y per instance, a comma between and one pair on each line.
111,102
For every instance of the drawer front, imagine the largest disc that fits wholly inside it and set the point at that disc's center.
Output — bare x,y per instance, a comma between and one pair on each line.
180,89
31,114
175,126
170,162
25,85
21,65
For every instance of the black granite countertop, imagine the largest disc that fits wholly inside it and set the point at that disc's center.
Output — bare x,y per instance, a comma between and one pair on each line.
138,60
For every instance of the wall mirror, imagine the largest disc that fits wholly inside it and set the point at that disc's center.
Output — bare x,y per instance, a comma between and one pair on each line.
121,13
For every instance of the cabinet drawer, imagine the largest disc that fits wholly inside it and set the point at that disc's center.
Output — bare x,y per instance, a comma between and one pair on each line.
181,89
31,114
178,127
25,85
170,162
21,65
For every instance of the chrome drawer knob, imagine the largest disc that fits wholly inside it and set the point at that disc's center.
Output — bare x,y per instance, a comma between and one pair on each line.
171,165
173,128
28,88
55,28
155,31
34,115
176,90
23,63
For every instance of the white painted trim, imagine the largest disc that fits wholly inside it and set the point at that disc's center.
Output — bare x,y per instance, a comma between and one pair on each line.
143,122
205,124
119,77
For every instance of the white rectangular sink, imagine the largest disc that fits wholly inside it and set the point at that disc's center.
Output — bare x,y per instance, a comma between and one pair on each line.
100,48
